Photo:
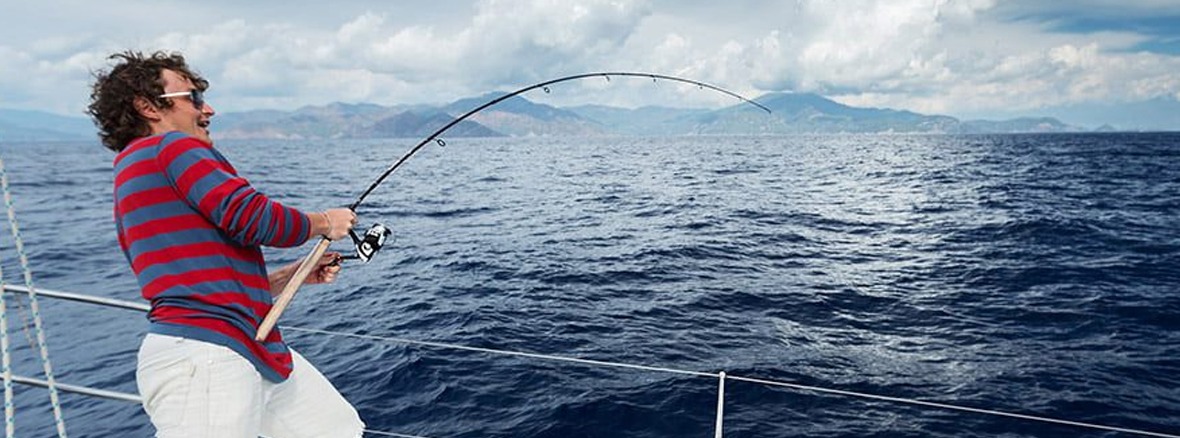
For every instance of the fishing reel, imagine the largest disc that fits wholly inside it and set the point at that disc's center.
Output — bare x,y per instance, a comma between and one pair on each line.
368,245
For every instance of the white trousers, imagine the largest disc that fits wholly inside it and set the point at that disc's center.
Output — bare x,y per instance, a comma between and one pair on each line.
194,389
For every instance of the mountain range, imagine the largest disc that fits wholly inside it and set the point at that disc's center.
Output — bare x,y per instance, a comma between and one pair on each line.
792,113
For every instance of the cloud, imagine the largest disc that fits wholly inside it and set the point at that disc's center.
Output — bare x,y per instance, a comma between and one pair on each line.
935,56
950,56
33,80
510,42
254,60
506,43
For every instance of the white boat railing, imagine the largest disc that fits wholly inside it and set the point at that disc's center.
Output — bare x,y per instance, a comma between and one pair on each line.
102,393
721,376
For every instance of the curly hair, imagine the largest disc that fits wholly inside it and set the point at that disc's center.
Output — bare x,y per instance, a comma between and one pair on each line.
112,97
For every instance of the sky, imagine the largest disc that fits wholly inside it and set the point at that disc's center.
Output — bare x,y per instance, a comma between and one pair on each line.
1084,61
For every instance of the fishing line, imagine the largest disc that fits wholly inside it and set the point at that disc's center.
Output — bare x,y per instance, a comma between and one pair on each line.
374,238
545,87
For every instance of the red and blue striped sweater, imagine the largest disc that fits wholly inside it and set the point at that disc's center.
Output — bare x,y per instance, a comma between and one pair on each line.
192,230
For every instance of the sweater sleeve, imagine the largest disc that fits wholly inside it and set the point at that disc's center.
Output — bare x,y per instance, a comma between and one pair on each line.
209,184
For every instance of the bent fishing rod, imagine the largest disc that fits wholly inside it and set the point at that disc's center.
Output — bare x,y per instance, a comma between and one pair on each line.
374,238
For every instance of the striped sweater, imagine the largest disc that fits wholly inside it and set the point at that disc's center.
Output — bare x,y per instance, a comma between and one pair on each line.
192,230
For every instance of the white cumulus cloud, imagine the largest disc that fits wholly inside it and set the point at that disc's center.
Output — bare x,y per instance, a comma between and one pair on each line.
934,56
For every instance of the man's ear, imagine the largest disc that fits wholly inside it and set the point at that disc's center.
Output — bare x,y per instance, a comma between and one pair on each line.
146,109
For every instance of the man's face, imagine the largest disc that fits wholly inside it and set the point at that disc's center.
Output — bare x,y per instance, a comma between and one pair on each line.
184,115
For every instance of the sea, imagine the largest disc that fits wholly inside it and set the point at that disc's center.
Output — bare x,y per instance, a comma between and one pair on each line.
1033,274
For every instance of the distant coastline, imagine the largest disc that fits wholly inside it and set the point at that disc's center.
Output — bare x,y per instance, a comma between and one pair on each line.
793,113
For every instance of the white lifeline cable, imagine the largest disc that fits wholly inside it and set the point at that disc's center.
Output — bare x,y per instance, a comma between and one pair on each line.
289,329
6,363
744,379
58,418
952,407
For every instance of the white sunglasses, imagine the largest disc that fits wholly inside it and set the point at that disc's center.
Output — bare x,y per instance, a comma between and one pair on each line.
196,96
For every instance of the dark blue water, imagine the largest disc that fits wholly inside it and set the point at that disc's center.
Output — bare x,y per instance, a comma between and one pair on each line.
1035,274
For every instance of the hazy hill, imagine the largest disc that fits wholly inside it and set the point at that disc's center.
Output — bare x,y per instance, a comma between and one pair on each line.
517,116
336,120
810,113
414,124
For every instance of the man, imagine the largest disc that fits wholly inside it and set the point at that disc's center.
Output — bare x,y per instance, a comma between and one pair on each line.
192,230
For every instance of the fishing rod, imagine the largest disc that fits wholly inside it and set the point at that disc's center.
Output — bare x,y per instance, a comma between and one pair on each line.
374,238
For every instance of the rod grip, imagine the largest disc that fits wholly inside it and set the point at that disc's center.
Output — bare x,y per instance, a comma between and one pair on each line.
290,288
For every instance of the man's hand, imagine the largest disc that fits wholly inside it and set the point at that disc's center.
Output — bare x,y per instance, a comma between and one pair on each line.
332,223
325,270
